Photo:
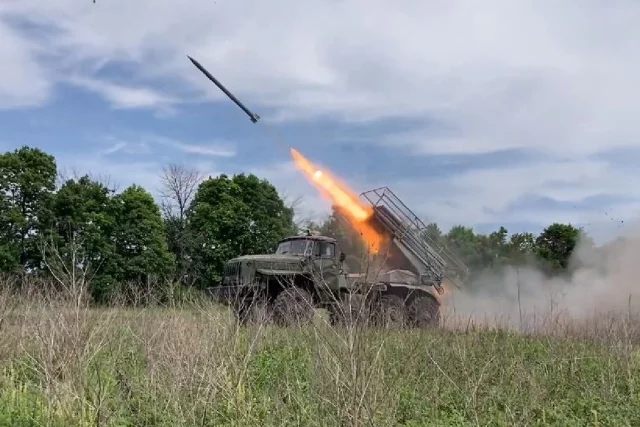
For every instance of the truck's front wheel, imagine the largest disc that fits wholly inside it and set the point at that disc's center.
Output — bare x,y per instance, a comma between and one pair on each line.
293,306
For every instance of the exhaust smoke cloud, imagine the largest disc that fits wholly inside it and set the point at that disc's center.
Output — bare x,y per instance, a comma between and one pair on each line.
603,280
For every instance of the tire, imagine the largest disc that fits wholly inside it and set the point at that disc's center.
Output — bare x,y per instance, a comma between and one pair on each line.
390,311
352,309
424,311
293,306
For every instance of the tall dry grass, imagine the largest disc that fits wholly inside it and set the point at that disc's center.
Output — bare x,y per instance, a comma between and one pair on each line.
64,363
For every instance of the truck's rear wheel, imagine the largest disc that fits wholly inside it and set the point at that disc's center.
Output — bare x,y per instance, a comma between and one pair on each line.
293,306
424,311
390,311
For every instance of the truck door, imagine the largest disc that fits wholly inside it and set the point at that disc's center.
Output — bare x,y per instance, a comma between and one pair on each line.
327,263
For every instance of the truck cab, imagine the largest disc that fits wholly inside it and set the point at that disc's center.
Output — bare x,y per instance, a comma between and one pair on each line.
304,260
321,251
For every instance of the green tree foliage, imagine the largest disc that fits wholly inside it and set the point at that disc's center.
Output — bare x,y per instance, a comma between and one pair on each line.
522,247
117,239
556,243
27,183
234,216
83,230
468,245
141,244
83,211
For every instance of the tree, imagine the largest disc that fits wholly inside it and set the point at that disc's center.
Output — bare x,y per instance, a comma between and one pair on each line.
433,233
27,183
556,243
495,249
83,208
521,248
300,223
179,186
469,246
10,222
140,239
84,228
235,216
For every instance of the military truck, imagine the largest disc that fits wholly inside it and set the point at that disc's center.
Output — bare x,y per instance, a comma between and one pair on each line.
401,285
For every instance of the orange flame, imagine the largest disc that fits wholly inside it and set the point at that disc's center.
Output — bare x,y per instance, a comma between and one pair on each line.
342,197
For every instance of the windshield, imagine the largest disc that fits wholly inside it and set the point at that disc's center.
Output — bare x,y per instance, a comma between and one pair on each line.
293,247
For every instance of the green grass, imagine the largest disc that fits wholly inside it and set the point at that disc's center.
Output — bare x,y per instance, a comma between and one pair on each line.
192,367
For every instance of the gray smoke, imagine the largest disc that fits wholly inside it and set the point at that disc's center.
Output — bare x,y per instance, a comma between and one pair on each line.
602,280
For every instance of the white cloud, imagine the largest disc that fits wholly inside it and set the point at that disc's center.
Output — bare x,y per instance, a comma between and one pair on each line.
214,149
23,83
369,59
206,150
124,97
147,144
118,146
560,78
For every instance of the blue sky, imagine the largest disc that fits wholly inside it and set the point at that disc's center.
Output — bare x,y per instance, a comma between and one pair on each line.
476,113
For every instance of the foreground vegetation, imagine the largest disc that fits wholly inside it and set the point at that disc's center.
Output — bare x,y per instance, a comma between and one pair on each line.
65,364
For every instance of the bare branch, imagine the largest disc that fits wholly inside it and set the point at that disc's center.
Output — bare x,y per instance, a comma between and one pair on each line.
107,180
179,185
67,173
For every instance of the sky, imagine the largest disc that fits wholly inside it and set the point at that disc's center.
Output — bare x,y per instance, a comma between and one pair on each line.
513,113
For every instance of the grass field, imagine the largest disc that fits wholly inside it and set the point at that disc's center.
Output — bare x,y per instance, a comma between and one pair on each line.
191,366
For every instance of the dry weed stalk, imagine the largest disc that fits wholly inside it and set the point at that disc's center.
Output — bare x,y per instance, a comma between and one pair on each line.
72,271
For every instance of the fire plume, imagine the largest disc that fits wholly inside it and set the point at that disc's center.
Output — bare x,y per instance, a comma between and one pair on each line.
341,197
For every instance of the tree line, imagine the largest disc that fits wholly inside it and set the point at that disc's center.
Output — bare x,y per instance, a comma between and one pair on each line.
550,251
80,229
